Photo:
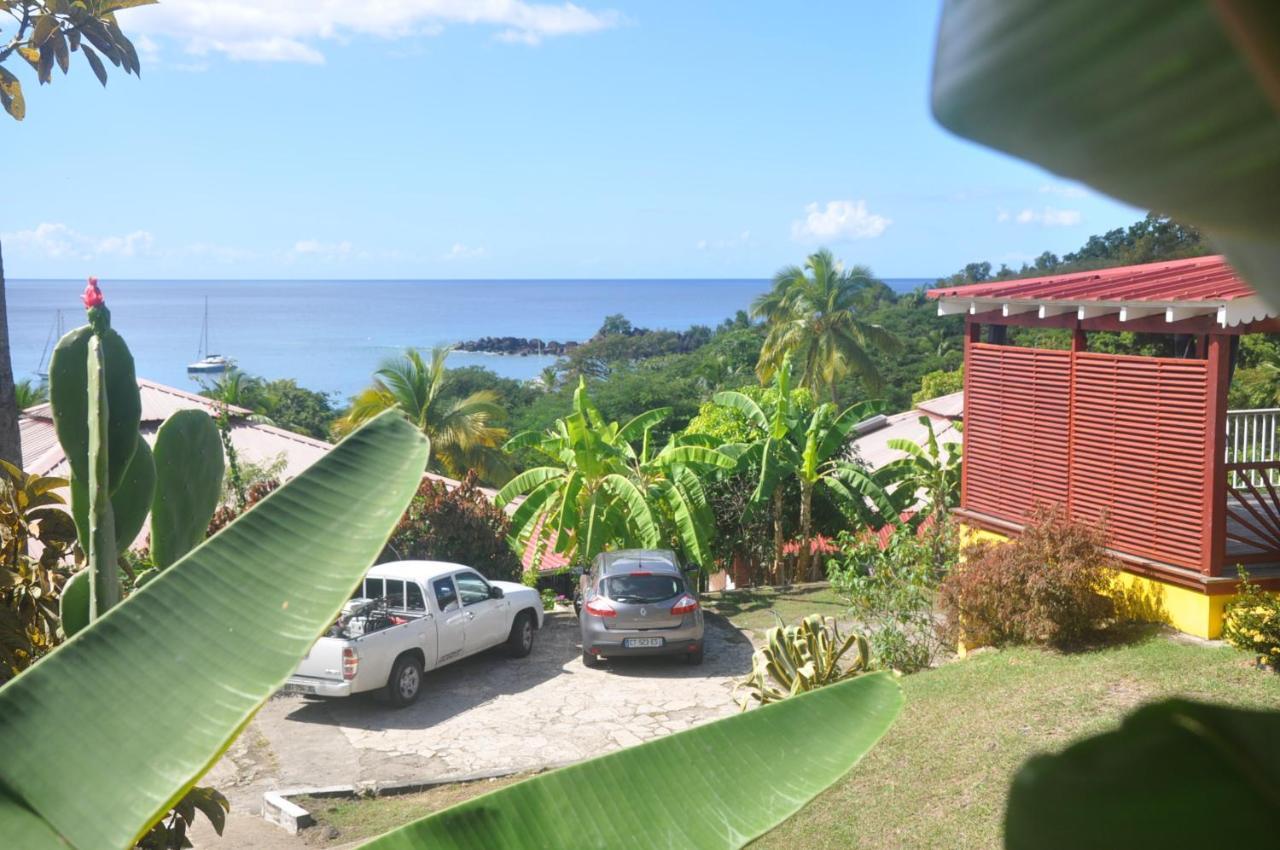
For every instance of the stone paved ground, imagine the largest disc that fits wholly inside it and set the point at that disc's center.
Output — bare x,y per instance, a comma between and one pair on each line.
484,713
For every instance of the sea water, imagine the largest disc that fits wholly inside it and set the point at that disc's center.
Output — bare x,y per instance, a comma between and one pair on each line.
330,335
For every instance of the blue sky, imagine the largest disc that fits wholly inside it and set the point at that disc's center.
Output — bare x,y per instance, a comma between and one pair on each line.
461,139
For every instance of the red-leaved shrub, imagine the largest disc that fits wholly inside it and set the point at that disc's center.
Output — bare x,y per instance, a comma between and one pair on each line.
1047,586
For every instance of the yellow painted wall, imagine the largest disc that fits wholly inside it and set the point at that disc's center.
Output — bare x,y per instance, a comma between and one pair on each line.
1147,599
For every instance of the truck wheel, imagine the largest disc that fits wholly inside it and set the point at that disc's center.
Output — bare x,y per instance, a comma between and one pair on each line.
520,641
406,681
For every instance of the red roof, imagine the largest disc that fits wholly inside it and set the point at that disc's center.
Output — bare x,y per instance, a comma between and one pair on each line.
1198,279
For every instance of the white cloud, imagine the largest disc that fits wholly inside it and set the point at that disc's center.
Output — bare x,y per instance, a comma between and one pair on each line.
838,221
462,252
1064,190
1046,217
55,240
325,250
288,30
742,239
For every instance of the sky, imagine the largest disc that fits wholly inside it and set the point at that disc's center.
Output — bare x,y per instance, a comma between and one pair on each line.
516,139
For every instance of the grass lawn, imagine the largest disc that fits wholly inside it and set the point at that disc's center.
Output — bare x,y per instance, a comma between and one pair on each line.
752,609
939,777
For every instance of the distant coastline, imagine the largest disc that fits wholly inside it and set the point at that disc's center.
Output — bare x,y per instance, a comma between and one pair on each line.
516,345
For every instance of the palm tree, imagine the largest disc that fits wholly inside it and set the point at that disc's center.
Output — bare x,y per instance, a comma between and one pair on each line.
464,433
809,448
28,394
811,314
598,490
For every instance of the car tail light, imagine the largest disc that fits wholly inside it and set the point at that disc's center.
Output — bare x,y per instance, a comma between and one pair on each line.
350,663
641,573
685,604
600,608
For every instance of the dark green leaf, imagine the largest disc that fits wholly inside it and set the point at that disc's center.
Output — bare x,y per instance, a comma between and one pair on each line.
95,63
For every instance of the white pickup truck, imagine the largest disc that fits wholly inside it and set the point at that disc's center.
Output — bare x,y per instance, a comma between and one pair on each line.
411,616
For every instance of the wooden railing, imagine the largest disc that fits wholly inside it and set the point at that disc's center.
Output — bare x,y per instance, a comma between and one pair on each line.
1253,511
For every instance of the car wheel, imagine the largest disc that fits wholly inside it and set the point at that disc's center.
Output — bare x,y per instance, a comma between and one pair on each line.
520,641
577,604
406,681
694,657
589,660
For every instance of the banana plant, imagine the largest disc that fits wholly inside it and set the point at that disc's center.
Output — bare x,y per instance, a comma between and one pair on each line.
116,478
810,449
605,486
804,657
109,730
777,758
928,472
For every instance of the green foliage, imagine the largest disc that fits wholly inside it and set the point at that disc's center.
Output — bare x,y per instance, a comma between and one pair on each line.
804,657
605,486
464,433
812,315
926,481
938,383
775,758
461,525
548,600
30,586
280,402
214,635
49,31
891,589
1048,585
27,394
1251,622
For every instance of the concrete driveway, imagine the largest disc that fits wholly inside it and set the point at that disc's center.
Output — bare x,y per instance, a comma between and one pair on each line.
481,714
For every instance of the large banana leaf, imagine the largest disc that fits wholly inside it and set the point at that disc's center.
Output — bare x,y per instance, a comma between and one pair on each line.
1176,774
102,736
1161,103
715,786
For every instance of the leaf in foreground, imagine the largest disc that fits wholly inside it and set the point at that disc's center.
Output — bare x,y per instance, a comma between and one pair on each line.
1160,103
1176,774
714,786
106,733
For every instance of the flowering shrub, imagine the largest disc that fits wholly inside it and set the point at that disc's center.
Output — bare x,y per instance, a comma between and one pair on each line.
548,600
1252,623
460,525
1047,586
890,585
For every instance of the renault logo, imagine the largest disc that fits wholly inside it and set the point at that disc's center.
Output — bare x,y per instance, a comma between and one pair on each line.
644,612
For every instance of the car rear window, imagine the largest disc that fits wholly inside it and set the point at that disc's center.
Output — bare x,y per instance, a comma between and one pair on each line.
643,588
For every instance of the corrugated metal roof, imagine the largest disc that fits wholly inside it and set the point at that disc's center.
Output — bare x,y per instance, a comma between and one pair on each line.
159,402
1196,280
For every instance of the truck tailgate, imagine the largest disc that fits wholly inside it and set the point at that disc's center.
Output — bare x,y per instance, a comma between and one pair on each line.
324,661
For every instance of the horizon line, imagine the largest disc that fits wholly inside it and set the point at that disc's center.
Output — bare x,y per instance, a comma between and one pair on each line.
104,279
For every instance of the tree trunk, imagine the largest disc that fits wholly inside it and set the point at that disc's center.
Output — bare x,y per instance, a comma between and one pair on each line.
806,523
10,442
779,563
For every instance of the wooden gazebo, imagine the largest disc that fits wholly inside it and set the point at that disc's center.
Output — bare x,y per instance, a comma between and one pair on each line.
1185,488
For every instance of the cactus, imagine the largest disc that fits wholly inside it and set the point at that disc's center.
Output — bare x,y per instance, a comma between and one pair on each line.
115,479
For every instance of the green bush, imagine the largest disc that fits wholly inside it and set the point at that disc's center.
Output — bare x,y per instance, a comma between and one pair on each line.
460,525
1048,585
1252,623
548,600
891,591
939,382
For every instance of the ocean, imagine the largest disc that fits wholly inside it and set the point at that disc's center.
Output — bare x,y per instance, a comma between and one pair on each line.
330,335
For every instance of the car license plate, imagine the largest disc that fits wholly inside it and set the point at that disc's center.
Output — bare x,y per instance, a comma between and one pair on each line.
639,643
298,689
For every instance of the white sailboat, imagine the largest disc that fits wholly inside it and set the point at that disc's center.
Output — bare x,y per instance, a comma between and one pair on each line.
209,363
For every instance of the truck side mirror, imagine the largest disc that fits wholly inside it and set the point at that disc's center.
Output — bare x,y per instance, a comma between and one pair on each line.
495,592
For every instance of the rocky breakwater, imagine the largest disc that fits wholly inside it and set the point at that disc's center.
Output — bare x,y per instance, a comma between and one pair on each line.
517,345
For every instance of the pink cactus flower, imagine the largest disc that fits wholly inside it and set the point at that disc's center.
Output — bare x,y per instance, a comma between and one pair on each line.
92,296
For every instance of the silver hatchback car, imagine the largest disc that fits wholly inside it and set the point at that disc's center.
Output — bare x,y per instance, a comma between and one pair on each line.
639,602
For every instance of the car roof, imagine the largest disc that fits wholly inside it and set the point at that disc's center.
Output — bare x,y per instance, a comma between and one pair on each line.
416,570
628,560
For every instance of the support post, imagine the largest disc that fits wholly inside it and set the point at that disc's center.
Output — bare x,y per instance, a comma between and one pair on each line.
1079,345
1215,507
972,334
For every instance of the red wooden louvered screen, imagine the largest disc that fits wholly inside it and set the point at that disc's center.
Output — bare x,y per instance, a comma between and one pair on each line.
1138,453
1017,404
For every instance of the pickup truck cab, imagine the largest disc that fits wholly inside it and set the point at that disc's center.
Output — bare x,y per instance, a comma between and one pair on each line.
408,617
